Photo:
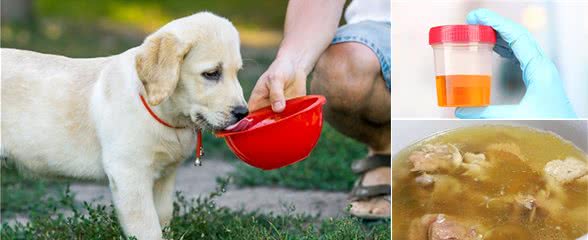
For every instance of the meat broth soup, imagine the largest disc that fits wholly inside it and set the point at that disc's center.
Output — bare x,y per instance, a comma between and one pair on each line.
490,182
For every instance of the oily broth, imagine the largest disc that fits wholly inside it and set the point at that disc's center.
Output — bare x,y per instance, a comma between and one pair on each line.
488,202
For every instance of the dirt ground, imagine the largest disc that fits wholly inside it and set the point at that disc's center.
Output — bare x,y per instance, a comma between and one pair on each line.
195,181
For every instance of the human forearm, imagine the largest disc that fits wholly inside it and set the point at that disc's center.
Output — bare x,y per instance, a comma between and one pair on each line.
309,28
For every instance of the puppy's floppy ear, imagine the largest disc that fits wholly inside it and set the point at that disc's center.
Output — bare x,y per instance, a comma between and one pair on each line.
158,65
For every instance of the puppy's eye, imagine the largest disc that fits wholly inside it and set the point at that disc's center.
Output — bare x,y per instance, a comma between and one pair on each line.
214,75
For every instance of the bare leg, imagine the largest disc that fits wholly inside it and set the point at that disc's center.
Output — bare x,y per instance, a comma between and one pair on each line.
358,105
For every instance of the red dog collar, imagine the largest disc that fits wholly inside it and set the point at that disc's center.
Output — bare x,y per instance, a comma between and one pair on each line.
199,150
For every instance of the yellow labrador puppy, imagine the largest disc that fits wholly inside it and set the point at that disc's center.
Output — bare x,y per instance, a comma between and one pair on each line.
83,118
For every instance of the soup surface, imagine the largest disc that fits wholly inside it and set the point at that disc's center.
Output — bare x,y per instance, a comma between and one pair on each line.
490,182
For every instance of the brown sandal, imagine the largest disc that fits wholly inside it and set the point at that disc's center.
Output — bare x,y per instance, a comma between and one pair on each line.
361,192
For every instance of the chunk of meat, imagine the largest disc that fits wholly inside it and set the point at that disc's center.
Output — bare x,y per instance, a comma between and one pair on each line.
469,157
446,229
440,227
475,165
425,180
433,158
567,170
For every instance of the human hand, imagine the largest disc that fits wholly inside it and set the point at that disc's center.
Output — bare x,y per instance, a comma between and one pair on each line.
280,81
545,96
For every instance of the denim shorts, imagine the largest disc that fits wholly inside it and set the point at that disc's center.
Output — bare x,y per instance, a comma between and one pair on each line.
374,35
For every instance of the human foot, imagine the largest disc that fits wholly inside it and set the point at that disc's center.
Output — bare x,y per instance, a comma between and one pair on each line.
370,198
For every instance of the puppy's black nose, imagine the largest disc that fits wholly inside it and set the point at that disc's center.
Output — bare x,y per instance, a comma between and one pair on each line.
240,112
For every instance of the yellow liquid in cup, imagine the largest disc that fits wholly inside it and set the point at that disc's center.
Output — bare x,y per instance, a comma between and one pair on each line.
463,90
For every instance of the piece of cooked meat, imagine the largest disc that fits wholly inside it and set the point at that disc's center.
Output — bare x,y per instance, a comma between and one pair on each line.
425,180
445,229
475,165
440,227
469,157
567,170
438,157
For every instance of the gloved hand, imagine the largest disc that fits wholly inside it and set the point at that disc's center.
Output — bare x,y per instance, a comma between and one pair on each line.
545,96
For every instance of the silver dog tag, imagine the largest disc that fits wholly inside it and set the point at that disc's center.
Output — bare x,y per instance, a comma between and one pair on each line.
197,161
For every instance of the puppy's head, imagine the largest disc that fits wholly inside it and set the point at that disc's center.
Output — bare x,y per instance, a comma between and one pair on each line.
191,64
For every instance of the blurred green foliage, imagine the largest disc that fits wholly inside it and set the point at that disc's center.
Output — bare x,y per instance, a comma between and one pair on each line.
150,14
68,39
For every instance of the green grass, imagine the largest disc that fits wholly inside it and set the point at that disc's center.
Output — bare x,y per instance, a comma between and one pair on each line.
20,195
192,219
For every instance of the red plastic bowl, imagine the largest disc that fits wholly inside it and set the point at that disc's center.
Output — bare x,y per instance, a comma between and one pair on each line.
273,140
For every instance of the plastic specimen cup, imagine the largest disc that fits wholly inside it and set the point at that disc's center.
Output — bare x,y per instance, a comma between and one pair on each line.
463,64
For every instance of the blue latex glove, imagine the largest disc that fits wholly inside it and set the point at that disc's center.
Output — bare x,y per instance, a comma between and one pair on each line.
545,96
